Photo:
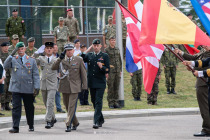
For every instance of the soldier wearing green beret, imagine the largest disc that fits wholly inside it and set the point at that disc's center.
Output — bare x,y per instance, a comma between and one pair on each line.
15,25
30,50
98,69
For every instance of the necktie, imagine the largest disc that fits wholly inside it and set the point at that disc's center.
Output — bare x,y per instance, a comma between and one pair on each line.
21,60
48,60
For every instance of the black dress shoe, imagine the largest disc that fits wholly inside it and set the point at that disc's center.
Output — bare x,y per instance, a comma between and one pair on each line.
48,126
116,106
68,129
53,122
14,130
96,126
75,127
202,134
61,111
31,129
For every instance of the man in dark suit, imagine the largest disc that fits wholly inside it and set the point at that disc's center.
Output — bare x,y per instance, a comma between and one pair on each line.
98,68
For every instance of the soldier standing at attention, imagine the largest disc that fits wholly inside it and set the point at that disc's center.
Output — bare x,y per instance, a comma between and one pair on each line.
30,50
98,69
72,80
24,85
7,96
15,25
73,26
48,83
113,81
124,35
152,97
136,82
15,40
2,77
170,64
108,31
61,35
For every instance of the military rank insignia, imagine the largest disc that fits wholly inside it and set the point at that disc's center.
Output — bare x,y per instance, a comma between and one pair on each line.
101,58
28,65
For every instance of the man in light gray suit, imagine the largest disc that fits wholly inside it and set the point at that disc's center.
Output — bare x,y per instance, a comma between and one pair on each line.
24,84
48,82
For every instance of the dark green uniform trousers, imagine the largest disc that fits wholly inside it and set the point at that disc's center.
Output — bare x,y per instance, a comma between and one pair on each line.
97,100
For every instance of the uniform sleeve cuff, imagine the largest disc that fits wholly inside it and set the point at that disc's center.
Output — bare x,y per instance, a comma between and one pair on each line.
200,74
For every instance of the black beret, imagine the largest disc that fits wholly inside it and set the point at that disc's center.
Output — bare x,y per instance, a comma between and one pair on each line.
96,41
14,10
49,44
5,44
82,45
76,40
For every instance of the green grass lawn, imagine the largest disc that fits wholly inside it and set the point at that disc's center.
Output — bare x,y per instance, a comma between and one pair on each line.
185,97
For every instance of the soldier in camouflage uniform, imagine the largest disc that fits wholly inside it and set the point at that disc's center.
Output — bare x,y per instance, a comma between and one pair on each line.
124,35
73,26
15,40
152,97
15,25
108,31
114,74
7,96
136,82
30,50
61,34
170,63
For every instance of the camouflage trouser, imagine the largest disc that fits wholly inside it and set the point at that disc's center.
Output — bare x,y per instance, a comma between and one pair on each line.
170,72
124,47
152,97
113,88
136,82
72,38
7,96
60,45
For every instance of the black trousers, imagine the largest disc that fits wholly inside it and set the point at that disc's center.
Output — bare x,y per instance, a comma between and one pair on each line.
28,100
97,100
83,97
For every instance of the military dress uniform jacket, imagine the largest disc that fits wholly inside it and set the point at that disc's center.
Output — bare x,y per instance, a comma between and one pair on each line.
96,76
73,78
24,77
203,54
48,76
114,59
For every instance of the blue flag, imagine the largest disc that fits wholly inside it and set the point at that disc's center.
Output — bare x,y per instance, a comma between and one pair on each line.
202,8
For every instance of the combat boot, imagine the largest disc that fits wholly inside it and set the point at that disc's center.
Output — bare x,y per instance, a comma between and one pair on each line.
173,91
7,107
2,106
168,91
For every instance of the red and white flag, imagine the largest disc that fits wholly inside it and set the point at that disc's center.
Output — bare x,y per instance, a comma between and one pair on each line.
148,55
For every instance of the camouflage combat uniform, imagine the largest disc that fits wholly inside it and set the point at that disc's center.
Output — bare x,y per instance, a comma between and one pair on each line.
108,32
170,62
30,52
15,26
114,75
11,48
124,34
136,82
152,97
61,34
73,26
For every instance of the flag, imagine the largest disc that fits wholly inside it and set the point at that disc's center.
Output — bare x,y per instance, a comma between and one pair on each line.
146,57
202,8
191,49
114,17
162,23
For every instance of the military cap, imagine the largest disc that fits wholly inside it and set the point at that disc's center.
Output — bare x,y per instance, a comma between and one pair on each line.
69,47
110,17
82,45
15,36
96,41
76,40
189,14
5,44
69,10
112,37
31,39
14,10
20,44
49,44
60,19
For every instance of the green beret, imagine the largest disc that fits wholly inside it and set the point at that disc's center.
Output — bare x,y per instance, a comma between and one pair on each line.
20,44
96,41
